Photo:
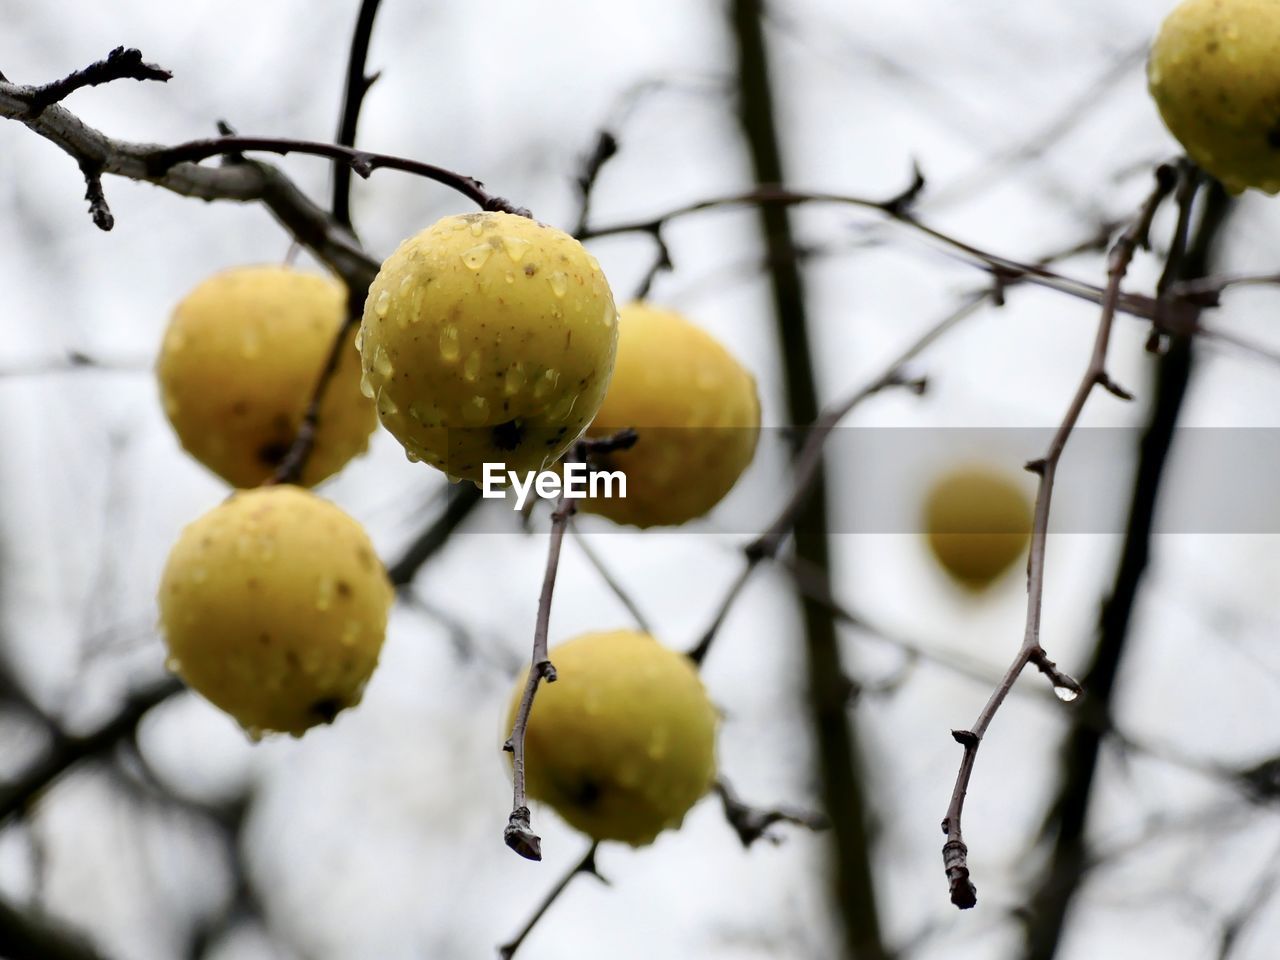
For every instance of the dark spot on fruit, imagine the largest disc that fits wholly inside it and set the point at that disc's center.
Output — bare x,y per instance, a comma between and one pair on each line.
264,639
292,660
587,795
507,436
272,454
252,583
327,708
1273,136
343,588
240,408
530,269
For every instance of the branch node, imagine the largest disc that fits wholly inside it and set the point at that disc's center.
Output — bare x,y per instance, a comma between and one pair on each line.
966,738
98,209
520,837
955,858
1113,388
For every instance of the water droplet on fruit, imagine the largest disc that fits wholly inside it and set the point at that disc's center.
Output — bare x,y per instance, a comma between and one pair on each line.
559,283
360,337
405,281
452,478
386,406
425,413
475,257
562,408
476,410
546,383
511,277
382,363
173,665
254,734
513,382
610,315
350,633
1065,693
366,387
449,346
382,304
324,594
516,248
471,369
477,227
411,456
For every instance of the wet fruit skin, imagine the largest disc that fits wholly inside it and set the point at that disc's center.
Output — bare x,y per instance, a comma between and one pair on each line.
1214,72
488,337
623,743
239,365
274,606
978,523
696,413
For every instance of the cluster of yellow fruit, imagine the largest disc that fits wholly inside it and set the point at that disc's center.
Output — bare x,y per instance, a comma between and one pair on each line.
484,338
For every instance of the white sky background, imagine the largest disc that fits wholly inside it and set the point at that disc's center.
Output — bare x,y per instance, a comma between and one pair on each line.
380,837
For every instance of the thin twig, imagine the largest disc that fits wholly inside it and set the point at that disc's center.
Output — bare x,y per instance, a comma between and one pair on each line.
753,823
808,461
304,441
897,209
119,64
358,84
954,851
67,751
1049,903
519,835
609,579
363,162
592,162
461,500
586,865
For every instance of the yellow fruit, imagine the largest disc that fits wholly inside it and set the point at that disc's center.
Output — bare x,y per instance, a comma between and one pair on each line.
696,413
978,523
274,606
239,365
488,338
1214,72
623,743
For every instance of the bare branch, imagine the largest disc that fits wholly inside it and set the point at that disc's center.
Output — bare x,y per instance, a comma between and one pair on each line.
954,851
119,64
752,823
586,865
67,751
358,84
163,159
519,834
609,579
